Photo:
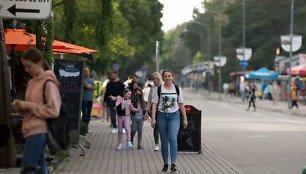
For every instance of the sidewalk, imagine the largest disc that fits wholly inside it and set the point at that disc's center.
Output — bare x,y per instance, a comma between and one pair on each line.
280,107
103,158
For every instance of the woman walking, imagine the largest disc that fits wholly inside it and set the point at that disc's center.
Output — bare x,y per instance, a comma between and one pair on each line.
166,106
252,96
156,77
42,101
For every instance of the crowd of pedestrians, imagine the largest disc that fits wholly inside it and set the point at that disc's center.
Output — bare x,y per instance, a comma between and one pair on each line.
273,90
159,101
128,104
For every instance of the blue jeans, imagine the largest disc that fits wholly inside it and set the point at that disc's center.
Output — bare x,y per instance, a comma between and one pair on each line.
33,153
168,127
86,110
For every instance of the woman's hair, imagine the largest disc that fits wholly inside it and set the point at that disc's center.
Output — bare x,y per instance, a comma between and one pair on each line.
157,75
166,70
141,101
126,91
34,55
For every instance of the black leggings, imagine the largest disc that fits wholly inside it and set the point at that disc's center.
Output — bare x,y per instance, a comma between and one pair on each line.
252,101
294,103
156,134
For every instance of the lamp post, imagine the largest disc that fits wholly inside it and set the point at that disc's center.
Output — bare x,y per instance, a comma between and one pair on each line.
219,61
291,43
243,53
221,58
157,55
207,47
218,58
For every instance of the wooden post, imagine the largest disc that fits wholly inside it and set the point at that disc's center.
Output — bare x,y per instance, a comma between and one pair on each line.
8,152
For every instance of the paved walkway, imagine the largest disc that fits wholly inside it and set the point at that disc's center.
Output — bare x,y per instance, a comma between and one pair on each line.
103,158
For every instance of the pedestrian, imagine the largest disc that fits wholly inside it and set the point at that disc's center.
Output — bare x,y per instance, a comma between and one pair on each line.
113,88
167,104
36,109
252,96
146,90
123,107
242,90
275,92
88,88
294,96
138,117
225,88
156,77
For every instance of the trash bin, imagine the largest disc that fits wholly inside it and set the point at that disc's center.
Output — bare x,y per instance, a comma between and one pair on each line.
189,139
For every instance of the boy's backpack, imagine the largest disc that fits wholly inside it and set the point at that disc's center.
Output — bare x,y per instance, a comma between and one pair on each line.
120,111
58,138
177,89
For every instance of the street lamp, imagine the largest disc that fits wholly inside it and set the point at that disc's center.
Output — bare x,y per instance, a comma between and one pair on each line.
291,43
157,55
219,57
243,54
219,61
207,47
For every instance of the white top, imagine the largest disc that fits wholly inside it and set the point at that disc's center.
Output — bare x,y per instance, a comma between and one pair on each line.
168,101
146,92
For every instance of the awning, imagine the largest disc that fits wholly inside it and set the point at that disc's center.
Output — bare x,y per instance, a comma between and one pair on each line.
262,73
297,70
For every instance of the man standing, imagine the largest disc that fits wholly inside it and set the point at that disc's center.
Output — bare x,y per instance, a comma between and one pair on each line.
113,88
88,88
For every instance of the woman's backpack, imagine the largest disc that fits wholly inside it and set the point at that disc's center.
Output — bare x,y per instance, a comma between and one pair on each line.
58,138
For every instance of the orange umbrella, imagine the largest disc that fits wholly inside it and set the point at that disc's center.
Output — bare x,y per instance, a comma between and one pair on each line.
72,49
20,40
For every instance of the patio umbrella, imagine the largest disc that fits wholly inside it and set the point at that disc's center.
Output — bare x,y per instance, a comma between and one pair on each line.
262,73
297,70
20,40
73,49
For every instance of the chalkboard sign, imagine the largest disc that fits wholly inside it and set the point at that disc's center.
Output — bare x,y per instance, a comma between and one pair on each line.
70,75
189,139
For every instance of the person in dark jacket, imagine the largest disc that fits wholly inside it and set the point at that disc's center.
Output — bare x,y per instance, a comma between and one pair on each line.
114,88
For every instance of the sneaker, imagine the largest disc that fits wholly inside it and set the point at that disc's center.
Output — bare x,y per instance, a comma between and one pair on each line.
129,145
156,148
173,168
165,168
123,131
119,147
114,130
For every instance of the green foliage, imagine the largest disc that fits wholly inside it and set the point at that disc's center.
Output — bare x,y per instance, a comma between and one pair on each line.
265,20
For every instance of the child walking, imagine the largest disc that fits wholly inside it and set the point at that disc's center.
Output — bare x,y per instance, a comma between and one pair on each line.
138,117
123,107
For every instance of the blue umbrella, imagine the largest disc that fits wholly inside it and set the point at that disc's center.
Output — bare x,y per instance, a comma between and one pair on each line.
262,73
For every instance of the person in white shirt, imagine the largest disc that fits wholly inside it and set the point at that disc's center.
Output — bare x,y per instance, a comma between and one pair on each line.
167,104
